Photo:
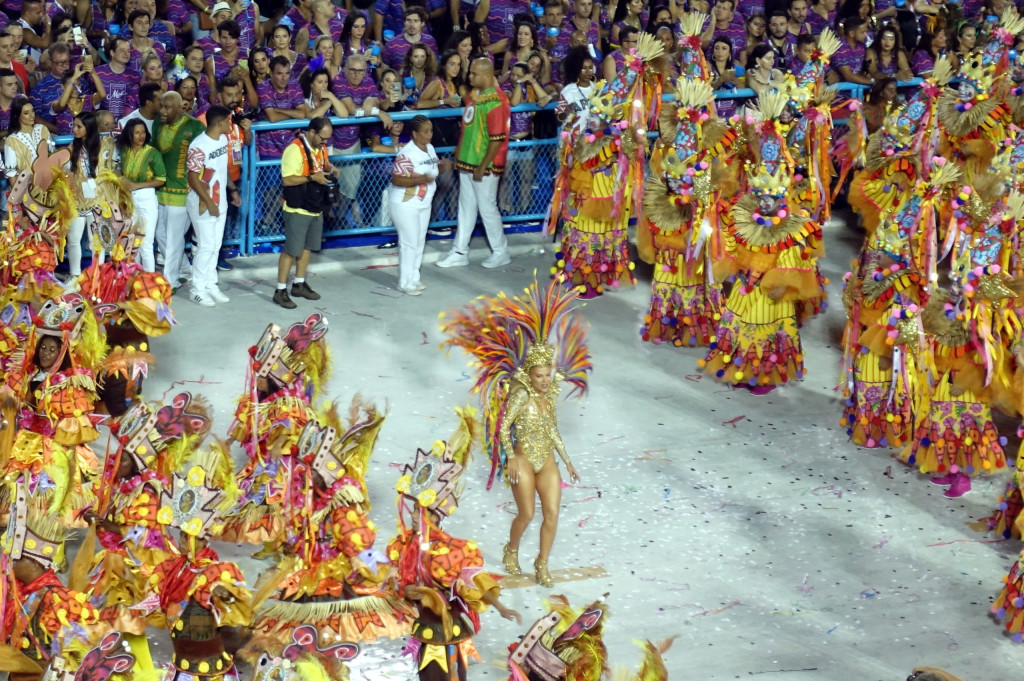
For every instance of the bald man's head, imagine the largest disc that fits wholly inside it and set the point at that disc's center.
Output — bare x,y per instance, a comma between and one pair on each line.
481,74
171,107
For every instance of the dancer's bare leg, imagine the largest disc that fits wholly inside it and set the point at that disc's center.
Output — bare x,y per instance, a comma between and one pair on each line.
549,486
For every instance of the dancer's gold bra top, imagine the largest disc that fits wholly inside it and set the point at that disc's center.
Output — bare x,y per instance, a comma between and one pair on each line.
536,427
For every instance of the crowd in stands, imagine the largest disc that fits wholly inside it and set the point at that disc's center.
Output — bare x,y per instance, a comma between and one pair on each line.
73,67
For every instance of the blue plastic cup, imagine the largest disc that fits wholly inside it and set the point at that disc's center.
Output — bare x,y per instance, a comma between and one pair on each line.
538,11
553,32
740,71
386,140
388,35
900,3
409,82
114,29
375,50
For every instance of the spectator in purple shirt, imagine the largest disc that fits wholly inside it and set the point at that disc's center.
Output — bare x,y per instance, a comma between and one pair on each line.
141,43
796,11
748,8
756,27
499,17
780,39
388,15
615,61
931,46
280,40
557,45
723,24
158,30
326,21
120,82
229,56
300,14
396,48
358,93
48,89
848,61
180,17
805,45
581,19
280,99
822,15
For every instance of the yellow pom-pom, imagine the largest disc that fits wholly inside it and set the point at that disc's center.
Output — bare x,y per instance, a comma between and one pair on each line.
738,375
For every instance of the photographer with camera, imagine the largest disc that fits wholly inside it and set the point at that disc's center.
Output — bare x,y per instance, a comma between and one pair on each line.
306,176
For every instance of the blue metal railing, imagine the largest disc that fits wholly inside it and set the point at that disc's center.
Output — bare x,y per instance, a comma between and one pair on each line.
529,178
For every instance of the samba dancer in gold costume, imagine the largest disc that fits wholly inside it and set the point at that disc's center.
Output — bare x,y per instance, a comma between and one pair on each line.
524,346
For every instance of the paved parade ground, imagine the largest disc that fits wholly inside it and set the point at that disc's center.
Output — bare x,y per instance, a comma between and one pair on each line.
748,527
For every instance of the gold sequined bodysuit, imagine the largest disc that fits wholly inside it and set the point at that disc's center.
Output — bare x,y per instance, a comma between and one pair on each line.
536,428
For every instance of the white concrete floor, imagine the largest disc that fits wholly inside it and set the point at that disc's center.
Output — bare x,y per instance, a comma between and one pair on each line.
747,526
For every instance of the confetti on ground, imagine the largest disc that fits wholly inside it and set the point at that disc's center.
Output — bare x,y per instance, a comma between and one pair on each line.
364,314
379,267
733,422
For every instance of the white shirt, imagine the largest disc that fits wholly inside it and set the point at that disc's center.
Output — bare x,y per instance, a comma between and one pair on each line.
578,99
136,114
209,157
411,160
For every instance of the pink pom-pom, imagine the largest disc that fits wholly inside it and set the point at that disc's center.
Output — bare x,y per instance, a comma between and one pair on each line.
995,269
893,334
854,104
913,308
967,190
979,270
565,134
968,106
705,116
783,213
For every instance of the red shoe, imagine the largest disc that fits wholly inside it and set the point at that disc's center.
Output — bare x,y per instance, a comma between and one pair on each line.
943,480
762,389
960,487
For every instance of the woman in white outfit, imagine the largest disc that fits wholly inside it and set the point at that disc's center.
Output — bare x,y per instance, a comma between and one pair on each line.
412,189
23,138
85,162
142,173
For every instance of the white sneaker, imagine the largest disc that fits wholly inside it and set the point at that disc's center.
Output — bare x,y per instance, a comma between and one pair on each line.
411,291
497,259
202,299
218,295
453,259
419,286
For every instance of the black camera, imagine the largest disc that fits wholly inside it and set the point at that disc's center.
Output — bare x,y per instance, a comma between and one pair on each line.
238,116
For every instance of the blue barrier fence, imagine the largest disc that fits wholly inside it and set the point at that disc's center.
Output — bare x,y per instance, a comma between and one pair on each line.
525,192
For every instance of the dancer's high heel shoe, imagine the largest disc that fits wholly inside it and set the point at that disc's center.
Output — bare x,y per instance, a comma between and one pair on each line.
543,576
511,559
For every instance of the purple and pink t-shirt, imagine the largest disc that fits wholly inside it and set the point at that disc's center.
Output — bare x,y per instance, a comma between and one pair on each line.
393,14
396,49
271,143
208,45
334,25
849,56
819,24
347,135
922,63
521,121
593,32
122,90
43,93
499,21
747,8
135,60
736,34
221,65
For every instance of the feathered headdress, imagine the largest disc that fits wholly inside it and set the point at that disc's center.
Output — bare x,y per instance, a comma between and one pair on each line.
499,332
